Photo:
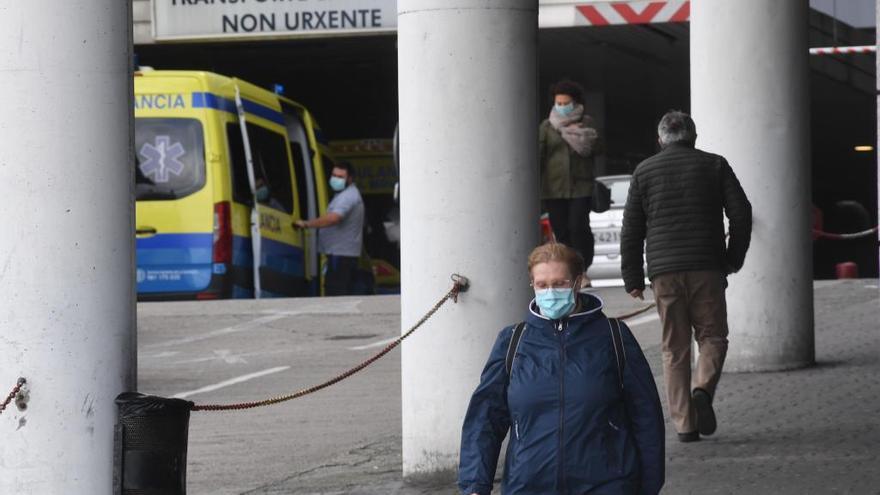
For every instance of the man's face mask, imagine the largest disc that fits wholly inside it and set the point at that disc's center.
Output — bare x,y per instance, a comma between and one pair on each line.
337,183
262,193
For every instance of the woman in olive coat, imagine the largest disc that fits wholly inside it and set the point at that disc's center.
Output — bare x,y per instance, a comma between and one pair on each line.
567,144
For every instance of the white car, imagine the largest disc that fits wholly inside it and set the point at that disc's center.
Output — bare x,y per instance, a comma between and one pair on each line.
606,226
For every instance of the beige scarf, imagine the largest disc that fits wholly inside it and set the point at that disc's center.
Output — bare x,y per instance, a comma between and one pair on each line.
581,138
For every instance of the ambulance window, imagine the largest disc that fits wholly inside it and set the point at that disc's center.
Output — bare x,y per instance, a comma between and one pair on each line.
299,166
169,158
272,164
241,189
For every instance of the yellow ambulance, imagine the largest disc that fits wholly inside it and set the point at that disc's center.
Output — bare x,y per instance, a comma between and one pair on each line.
222,169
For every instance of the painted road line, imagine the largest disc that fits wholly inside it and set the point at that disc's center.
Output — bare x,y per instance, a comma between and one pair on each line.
163,354
380,343
248,325
350,307
340,308
228,357
232,381
641,320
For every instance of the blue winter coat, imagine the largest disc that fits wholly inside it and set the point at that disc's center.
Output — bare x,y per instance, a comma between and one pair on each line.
573,431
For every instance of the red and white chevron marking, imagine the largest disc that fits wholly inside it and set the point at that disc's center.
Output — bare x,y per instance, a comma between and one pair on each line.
843,50
639,12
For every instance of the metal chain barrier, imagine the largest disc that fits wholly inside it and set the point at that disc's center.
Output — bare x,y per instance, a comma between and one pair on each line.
12,395
636,312
845,237
459,284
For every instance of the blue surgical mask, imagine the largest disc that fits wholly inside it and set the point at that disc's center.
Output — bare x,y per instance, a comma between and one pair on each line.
337,183
555,303
262,194
565,110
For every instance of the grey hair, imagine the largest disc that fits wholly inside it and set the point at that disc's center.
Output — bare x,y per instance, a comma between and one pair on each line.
676,127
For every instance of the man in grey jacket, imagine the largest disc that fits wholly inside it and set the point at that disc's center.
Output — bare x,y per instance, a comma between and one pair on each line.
341,235
675,209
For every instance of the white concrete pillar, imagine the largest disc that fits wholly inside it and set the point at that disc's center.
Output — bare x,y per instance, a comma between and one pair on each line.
469,184
66,247
749,98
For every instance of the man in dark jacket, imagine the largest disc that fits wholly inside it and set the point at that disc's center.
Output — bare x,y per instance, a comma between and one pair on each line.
675,209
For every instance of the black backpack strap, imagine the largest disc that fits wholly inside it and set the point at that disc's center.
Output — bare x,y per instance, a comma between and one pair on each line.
514,345
619,351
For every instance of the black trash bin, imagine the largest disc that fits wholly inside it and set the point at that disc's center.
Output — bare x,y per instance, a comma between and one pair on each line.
153,440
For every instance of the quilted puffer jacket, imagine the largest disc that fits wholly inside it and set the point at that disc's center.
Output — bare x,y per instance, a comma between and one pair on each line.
675,214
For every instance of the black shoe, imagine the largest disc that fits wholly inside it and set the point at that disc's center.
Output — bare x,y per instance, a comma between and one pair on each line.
706,422
693,436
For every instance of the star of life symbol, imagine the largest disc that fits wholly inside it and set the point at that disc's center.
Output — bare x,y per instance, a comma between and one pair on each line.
161,159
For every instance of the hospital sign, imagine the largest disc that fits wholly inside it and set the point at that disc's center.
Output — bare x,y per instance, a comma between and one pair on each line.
222,19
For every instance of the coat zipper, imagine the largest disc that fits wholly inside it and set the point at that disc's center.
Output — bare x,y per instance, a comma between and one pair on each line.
560,327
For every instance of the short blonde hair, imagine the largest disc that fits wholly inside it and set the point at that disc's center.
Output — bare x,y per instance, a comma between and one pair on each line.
555,251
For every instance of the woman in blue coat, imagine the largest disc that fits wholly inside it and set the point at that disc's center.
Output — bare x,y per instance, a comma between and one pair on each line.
579,400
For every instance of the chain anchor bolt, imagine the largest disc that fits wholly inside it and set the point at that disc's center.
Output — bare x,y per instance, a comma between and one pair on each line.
23,395
461,284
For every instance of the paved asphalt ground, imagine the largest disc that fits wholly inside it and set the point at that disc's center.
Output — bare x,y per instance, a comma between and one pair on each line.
811,431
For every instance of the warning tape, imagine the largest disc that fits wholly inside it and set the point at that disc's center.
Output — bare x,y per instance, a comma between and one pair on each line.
640,12
843,50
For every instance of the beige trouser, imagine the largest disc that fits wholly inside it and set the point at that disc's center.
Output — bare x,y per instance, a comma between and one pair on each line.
688,300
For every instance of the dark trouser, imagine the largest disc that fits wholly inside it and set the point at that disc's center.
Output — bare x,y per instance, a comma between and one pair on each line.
688,300
339,278
570,219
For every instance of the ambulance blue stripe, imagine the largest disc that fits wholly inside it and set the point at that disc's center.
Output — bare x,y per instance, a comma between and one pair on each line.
178,241
174,263
277,256
211,100
180,263
263,111
284,258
